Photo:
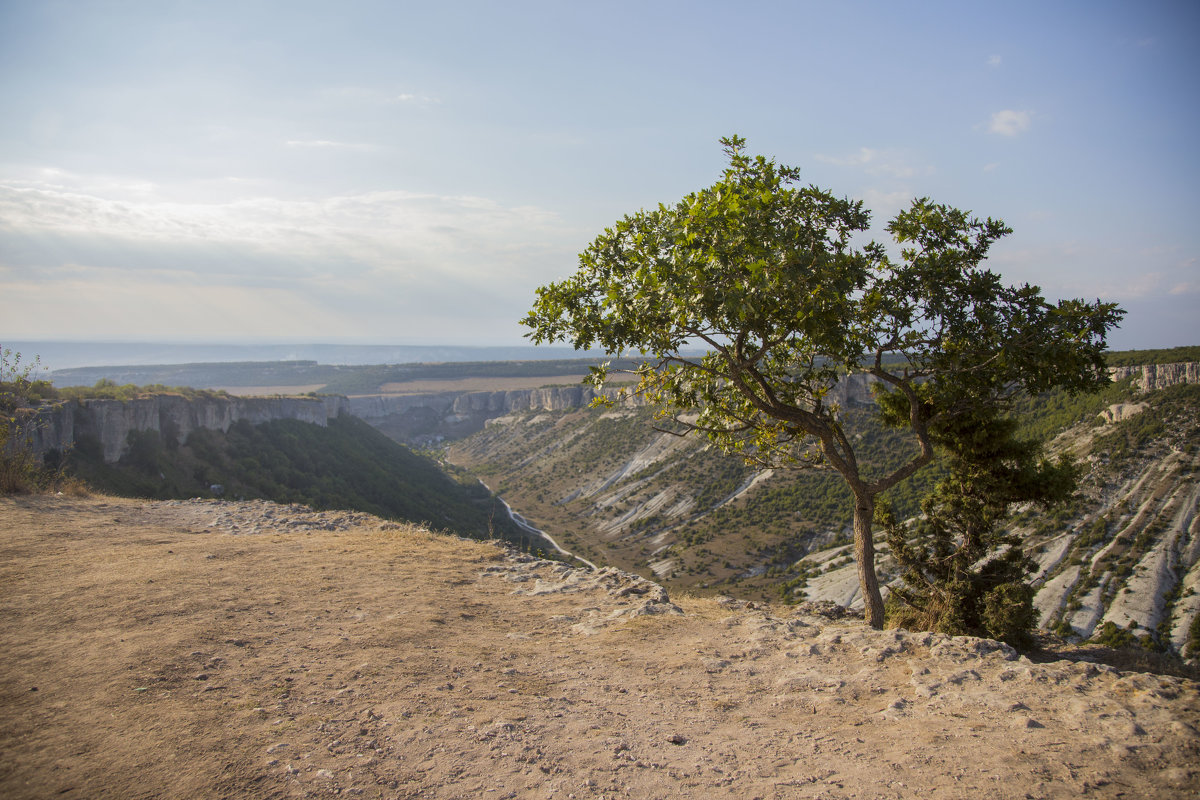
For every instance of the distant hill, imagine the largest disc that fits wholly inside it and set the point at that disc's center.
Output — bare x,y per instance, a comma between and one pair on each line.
312,376
68,355
338,369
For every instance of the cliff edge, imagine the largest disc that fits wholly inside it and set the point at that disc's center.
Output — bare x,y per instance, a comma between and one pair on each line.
211,649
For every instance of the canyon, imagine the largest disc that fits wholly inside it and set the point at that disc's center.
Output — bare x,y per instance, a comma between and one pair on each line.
615,490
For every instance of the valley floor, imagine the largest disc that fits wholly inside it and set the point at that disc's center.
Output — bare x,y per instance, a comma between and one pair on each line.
208,649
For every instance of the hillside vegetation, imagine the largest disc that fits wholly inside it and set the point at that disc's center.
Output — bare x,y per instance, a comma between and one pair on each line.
626,493
347,465
1118,563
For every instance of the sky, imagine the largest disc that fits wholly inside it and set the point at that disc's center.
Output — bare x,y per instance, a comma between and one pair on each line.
410,173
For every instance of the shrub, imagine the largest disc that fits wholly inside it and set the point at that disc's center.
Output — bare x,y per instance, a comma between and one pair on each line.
19,469
962,573
1008,613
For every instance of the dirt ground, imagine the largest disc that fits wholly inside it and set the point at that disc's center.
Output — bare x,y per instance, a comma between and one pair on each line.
219,650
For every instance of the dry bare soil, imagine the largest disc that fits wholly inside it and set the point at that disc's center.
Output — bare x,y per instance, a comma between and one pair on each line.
207,649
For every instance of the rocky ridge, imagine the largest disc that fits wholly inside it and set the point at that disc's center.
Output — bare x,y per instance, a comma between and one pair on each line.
172,416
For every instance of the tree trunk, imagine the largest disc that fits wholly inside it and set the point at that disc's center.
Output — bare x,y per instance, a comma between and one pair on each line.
864,553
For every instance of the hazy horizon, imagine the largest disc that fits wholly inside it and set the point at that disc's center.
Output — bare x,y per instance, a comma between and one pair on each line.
63,355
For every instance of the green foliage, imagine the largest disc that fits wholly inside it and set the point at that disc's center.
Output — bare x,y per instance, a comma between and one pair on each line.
765,275
1008,613
962,574
16,388
1062,628
1193,643
1044,415
1173,416
20,470
1110,635
1134,358
347,465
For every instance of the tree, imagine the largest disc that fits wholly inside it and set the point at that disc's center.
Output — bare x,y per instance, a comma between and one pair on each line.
748,301
961,573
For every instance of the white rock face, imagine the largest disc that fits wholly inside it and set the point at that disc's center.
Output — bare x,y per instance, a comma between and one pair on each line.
1158,376
172,416
1119,411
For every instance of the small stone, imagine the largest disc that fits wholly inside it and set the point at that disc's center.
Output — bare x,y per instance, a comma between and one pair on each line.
677,739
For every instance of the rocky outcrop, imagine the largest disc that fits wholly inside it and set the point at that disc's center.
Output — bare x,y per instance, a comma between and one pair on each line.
419,418
172,416
498,403
1149,377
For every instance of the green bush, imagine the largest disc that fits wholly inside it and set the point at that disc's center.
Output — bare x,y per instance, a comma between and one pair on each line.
962,573
1110,635
1008,613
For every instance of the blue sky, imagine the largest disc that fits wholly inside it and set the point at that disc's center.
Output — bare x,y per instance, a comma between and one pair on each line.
394,172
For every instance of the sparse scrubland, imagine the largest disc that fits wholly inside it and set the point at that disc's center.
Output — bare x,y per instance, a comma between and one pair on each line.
610,485
344,465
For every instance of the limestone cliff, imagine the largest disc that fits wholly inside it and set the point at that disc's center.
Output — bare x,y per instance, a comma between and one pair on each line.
1149,377
172,416
429,417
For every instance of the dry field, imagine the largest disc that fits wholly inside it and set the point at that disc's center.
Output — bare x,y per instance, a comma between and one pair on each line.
270,391
487,384
204,649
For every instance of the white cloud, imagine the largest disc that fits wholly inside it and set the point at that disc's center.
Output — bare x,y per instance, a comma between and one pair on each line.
326,143
366,94
884,205
873,162
994,61
864,156
406,97
1009,122
387,264
376,224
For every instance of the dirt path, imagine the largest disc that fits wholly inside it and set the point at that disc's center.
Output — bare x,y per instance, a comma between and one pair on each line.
207,649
